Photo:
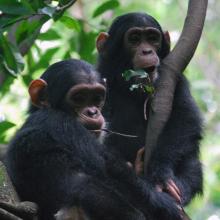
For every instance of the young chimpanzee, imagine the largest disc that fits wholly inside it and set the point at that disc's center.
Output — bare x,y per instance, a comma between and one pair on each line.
56,161
136,41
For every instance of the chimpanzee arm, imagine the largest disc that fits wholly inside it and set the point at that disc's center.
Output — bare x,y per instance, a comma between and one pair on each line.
177,153
47,173
189,179
155,205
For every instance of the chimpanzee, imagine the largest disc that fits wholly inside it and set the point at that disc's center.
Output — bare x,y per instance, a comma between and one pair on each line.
136,41
56,161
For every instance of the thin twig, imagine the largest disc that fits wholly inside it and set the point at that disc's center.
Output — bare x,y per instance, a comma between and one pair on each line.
114,132
22,19
58,9
65,6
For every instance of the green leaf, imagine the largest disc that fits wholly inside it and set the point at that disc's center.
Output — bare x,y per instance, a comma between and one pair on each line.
7,20
5,125
86,46
7,83
37,4
49,35
10,57
18,57
14,7
145,85
128,74
134,86
27,31
70,23
45,59
27,5
149,89
108,5
27,79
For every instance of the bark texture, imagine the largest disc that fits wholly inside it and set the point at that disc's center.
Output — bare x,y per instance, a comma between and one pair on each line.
174,64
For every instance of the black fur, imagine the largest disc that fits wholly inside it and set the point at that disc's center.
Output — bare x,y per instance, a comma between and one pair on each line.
56,162
177,152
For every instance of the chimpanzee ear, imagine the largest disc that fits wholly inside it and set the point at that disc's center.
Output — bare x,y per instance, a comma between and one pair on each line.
167,38
101,39
36,91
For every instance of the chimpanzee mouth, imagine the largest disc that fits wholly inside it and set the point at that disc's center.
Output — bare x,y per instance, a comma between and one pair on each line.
91,123
150,69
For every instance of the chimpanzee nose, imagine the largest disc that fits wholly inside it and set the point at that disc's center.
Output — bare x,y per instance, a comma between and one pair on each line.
91,112
147,51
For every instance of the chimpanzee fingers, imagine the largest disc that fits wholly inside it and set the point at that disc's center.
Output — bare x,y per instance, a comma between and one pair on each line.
171,190
139,164
172,183
140,154
139,168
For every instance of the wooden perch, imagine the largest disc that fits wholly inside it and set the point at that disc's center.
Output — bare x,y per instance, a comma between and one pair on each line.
172,65
11,195
10,206
22,210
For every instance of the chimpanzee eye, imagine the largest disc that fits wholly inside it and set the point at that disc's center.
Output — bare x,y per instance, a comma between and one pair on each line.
154,40
134,38
78,99
98,100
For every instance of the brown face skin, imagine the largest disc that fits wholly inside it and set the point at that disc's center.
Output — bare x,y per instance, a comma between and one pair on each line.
142,44
85,101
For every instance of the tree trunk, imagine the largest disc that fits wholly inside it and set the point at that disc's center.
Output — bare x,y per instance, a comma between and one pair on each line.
172,65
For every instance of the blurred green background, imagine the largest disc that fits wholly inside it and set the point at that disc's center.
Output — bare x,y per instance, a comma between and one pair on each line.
35,34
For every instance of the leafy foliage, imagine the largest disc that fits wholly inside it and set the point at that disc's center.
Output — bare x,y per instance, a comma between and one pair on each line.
70,23
4,126
21,22
145,83
10,56
105,6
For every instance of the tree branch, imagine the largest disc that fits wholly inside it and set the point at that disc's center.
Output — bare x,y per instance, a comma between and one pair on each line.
10,206
8,216
64,7
172,65
24,210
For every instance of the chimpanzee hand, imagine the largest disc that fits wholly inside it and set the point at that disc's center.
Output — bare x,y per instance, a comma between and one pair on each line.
171,188
139,162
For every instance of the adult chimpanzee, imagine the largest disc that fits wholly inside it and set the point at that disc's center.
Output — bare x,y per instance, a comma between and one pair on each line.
55,161
136,41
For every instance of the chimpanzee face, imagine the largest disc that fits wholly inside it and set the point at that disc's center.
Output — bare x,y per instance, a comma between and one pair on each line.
142,45
85,102
73,87
133,41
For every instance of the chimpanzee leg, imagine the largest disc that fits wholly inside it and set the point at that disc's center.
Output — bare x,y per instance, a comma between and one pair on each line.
100,201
